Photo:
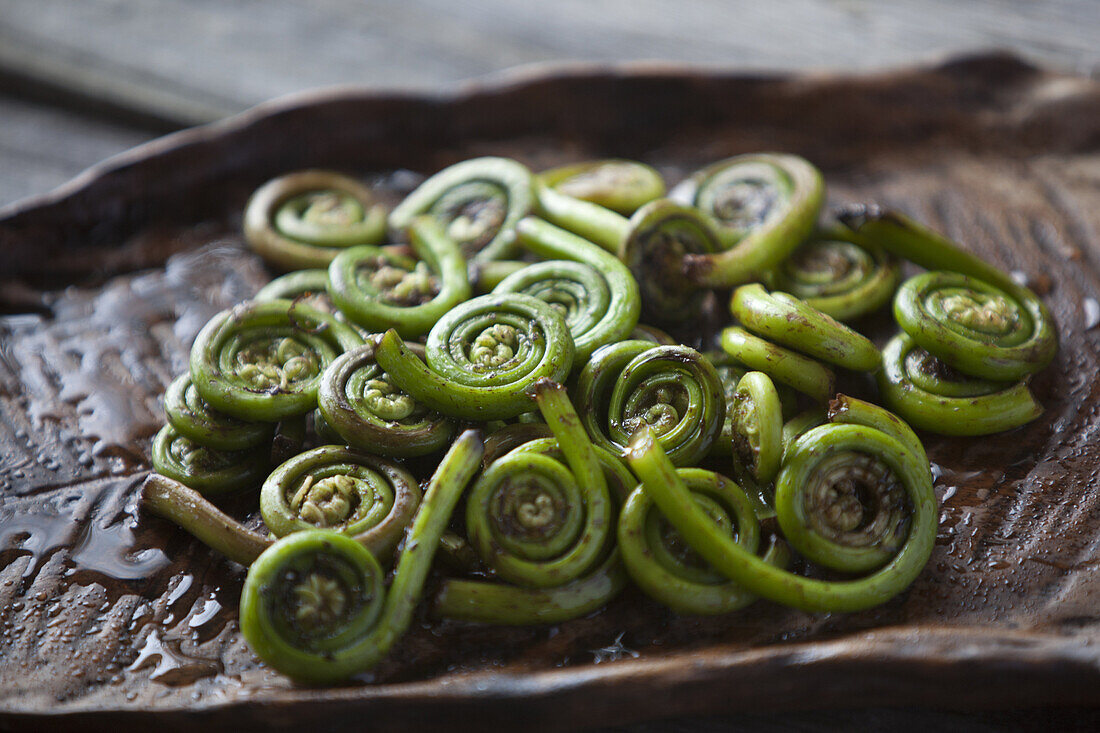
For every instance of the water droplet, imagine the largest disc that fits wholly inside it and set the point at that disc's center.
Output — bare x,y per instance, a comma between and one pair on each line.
1092,313
171,666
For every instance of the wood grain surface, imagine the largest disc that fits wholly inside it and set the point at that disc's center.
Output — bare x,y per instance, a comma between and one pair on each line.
124,70
111,617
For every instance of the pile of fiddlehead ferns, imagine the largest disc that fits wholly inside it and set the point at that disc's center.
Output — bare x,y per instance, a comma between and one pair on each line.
592,451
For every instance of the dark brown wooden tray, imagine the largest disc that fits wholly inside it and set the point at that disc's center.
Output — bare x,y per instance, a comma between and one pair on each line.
111,617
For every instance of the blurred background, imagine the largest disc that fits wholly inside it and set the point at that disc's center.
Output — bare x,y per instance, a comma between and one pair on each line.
81,80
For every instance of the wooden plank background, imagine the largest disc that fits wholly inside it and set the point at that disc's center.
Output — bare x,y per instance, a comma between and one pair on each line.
81,80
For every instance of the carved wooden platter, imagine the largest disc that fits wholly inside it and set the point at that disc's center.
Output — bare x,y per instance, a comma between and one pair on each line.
110,617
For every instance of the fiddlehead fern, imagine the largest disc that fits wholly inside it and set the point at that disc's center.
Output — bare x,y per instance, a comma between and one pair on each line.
667,568
195,420
837,275
660,236
839,503
478,203
574,289
788,321
482,357
935,397
756,427
799,424
262,361
905,238
314,606
207,470
827,474
340,489
909,240
324,432
729,374
730,371
645,332
976,327
308,286
597,294
763,206
187,508
652,243
305,219
536,521
620,185
486,275
495,603
542,517
379,289
512,436
362,405
674,389
598,224
782,365
845,410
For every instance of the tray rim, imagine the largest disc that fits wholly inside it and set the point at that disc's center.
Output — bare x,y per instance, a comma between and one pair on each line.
488,84
491,84
881,658
870,668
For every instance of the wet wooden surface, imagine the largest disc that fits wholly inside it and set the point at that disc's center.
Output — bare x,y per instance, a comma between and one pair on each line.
78,84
